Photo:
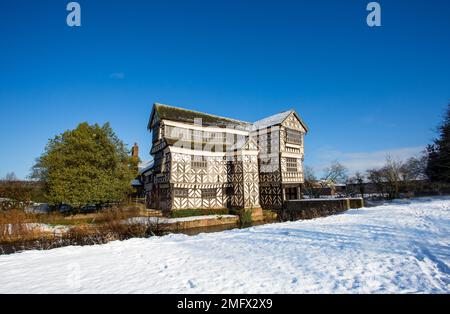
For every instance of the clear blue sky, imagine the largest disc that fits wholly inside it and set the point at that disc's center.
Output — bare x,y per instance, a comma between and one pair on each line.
364,92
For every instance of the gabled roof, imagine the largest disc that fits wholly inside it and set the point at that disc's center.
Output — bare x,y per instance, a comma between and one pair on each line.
165,112
272,120
146,166
189,116
243,143
251,144
277,119
136,182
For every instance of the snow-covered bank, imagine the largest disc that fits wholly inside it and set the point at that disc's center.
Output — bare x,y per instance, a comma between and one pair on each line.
162,220
401,247
39,228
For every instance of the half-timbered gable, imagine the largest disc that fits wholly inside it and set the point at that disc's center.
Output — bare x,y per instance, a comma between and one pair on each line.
280,138
292,133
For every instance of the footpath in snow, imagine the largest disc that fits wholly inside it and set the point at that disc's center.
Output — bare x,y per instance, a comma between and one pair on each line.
402,247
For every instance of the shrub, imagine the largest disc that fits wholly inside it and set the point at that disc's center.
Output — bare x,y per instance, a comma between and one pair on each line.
17,194
89,165
111,227
245,216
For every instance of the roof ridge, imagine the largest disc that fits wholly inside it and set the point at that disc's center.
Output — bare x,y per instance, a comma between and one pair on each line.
274,115
278,118
203,113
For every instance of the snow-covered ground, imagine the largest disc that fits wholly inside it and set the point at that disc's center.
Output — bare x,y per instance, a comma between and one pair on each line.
401,247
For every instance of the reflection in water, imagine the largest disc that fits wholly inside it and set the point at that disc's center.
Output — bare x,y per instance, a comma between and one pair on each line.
212,229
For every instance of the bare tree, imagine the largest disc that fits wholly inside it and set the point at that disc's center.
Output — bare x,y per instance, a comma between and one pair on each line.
335,173
392,172
414,169
394,175
310,182
357,181
375,176
10,176
413,172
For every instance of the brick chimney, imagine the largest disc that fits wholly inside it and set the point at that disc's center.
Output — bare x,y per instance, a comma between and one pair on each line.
135,151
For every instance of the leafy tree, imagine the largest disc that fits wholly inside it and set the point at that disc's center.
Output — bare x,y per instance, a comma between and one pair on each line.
438,168
89,165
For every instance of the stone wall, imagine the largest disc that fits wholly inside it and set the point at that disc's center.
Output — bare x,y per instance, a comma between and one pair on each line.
200,222
313,208
356,203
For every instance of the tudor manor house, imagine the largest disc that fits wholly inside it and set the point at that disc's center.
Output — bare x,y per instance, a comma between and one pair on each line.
203,161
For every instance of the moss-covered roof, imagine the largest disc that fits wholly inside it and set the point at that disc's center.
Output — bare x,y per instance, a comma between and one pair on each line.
189,116
165,112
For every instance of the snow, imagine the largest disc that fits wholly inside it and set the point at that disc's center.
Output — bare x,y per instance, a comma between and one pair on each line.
272,120
162,220
397,247
136,182
325,198
38,227
145,166
39,208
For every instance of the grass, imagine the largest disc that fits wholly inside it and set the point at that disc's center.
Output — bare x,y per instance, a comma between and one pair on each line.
111,225
18,225
198,212
245,216
58,219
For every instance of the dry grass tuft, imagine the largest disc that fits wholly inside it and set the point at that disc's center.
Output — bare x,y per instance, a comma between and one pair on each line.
21,231
17,225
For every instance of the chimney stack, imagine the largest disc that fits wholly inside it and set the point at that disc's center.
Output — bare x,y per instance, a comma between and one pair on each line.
135,151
